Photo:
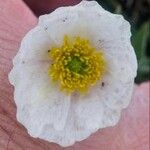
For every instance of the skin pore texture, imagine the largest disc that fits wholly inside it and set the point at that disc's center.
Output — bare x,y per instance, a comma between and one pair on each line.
131,133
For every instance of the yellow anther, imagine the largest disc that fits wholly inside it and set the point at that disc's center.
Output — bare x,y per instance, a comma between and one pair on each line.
76,65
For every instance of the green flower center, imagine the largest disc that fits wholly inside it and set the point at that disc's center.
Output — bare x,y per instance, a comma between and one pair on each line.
76,65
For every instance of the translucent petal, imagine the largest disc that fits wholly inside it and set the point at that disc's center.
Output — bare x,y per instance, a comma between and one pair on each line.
38,101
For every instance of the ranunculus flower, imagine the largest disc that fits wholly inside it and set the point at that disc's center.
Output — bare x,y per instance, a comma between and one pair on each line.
74,73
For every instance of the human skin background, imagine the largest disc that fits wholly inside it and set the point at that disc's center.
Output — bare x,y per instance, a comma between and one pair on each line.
131,133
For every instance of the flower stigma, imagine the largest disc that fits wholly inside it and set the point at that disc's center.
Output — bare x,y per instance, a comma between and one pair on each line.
76,66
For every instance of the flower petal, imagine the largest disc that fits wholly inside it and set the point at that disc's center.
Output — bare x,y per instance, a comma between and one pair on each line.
34,47
38,101
101,107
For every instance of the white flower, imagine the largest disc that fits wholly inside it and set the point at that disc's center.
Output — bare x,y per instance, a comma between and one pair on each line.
68,115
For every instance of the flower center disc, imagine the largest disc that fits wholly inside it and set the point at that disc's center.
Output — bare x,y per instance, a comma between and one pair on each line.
76,65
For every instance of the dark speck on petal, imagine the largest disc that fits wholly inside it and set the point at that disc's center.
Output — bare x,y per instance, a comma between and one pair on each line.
64,19
103,84
45,28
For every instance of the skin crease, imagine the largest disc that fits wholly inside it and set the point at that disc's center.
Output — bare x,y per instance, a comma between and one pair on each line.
131,133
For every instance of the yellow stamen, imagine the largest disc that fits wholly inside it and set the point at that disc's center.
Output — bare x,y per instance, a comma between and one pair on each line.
76,65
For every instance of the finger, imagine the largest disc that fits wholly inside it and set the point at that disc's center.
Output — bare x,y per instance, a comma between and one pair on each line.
46,6
15,20
131,133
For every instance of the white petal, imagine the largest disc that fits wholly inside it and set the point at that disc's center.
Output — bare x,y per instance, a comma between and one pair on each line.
72,131
101,107
68,20
38,101
34,46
